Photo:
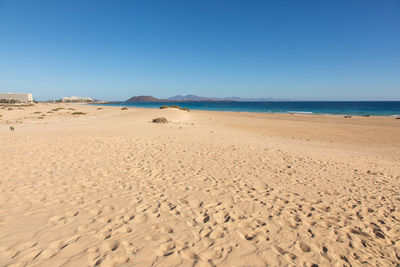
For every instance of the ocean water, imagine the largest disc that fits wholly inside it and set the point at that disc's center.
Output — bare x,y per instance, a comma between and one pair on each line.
373,108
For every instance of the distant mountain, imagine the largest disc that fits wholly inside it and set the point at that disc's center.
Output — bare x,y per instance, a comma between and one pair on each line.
143,98
189,98
199,98
238,99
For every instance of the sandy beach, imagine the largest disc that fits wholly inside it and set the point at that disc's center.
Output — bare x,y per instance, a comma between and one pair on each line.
110,188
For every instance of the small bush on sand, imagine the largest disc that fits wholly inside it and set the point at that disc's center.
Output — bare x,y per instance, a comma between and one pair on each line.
71,109
78,113
9,109
175,106
41,118
50,112
57,109
37,112
160,120
124,108
99,108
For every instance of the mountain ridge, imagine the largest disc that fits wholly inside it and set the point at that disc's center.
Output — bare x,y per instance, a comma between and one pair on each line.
199,98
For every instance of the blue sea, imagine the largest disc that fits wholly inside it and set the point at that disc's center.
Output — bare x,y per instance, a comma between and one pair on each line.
373,108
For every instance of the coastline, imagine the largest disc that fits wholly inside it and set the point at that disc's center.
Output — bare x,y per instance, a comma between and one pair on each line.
357,129
343,108
209,187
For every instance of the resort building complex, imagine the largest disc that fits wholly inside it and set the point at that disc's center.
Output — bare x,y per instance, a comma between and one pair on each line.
16,97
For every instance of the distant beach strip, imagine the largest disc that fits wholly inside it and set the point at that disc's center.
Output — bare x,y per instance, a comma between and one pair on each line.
355,108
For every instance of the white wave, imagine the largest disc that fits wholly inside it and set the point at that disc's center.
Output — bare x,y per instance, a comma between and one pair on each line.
300,112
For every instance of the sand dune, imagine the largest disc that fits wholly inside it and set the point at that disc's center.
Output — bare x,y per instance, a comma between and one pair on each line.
109,188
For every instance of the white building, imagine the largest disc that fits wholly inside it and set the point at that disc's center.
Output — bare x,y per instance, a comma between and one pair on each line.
19,97
76,99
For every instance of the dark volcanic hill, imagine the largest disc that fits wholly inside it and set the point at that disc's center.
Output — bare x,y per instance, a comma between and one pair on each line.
143,98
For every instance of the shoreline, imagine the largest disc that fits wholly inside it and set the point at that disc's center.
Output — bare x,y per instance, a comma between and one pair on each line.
270,115
269,112
357,129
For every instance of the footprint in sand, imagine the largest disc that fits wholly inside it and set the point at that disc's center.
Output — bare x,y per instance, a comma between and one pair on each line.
26,245
304,247
153,212
57,220
115,259
94,257
217,234
188,254
130,248
246,234
57,245
164,229
124,229
95,211
222,217
11,253
48,253
72,213
32,255
72,239
166,248
109,245
211,255
140,218
104,234
142,207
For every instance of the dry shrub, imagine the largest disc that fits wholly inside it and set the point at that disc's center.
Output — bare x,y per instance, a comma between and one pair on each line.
160,120
124,108
175,106
78,113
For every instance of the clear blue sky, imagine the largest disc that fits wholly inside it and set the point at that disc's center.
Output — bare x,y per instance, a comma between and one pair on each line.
314,50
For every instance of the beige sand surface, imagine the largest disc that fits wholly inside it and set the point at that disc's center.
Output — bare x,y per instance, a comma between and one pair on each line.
109,188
